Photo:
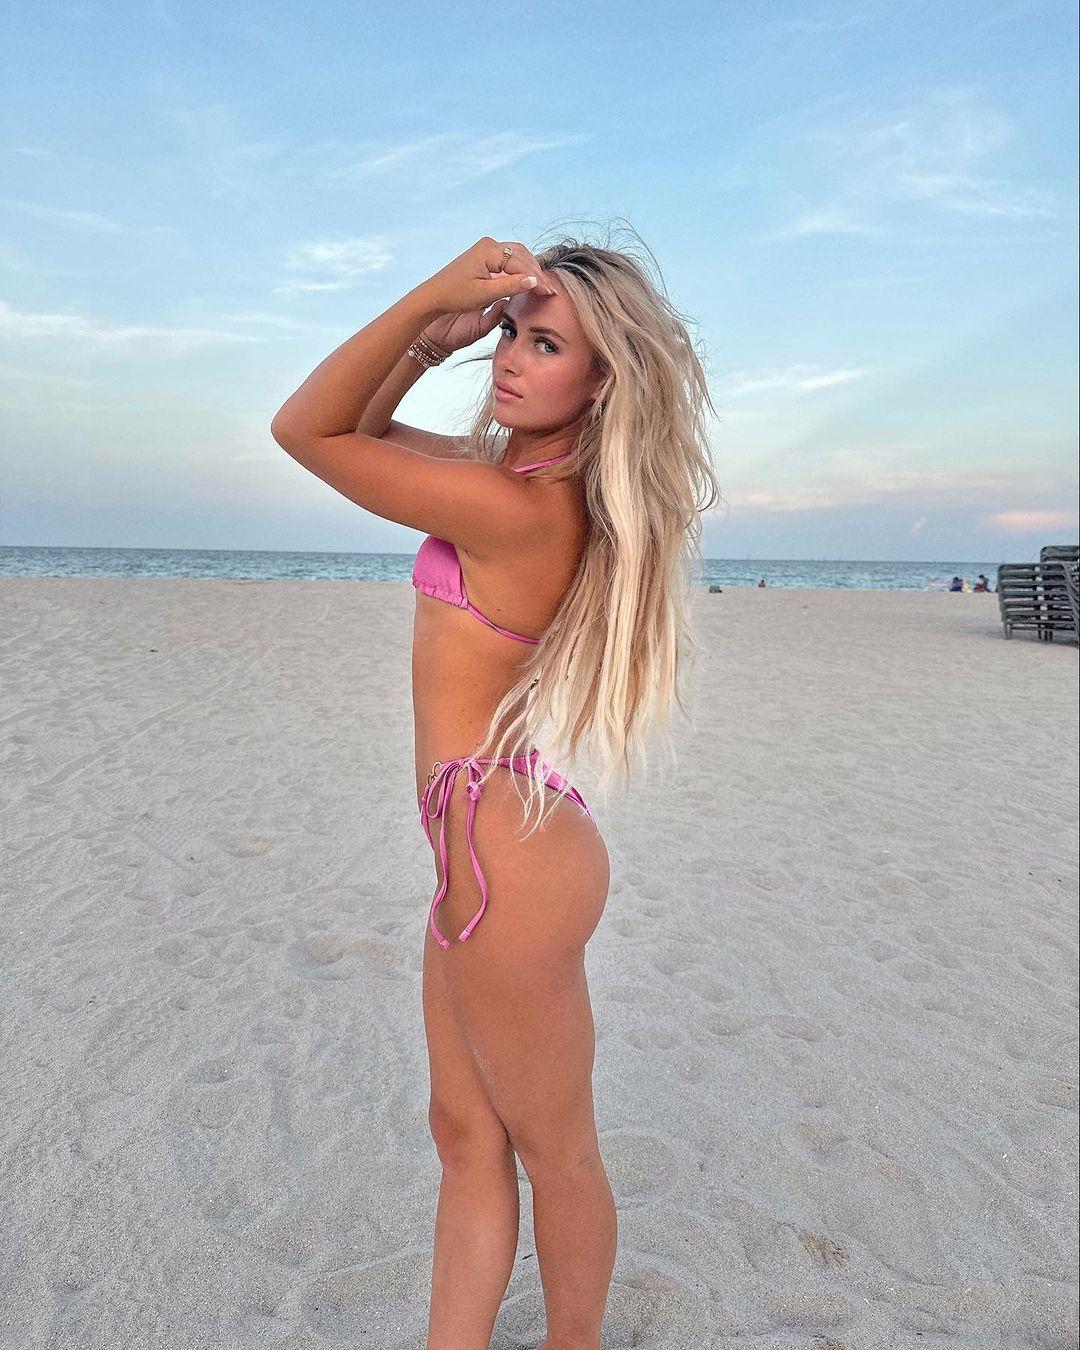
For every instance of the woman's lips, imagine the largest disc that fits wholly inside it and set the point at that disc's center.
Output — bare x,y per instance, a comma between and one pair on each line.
502,393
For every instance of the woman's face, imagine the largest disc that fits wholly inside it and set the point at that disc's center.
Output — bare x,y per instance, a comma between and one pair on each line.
553,371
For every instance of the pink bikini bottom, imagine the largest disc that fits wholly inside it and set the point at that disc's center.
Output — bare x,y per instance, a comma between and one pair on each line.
440,784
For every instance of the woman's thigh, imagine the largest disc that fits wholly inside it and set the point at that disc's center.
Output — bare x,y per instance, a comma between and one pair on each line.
517,985
462,1118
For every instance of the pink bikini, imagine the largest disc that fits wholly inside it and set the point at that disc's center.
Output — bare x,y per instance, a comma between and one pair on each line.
437,572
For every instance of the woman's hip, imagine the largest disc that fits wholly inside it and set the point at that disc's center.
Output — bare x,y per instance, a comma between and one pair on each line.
485,848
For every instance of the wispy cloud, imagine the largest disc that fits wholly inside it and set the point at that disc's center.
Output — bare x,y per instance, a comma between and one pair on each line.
57,215
232,164
796,497
790,379
976,197
936,151
282,322
1027,522
829,220
811,383
24,326
877,476
335,264
440,163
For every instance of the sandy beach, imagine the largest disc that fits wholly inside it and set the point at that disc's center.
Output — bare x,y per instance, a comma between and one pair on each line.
834,988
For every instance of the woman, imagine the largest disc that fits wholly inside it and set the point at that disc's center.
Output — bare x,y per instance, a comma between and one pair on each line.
553,588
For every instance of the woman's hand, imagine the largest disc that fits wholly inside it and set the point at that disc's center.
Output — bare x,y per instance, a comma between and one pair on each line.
472,291
451,332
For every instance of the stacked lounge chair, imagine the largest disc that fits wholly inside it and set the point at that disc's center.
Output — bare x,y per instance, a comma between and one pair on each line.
1072,592
1042,596
1060,553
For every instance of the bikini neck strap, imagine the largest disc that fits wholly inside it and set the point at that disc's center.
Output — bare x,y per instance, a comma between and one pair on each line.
524,468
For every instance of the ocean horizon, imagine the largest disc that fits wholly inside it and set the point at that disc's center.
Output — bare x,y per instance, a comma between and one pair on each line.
285,565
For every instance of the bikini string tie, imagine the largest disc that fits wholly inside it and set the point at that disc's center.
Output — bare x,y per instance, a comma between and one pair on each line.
440,788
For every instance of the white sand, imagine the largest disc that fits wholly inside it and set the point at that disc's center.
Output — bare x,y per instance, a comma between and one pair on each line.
834,988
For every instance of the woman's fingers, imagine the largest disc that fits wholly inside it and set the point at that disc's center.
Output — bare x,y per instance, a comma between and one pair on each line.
522,262
508,284
492,317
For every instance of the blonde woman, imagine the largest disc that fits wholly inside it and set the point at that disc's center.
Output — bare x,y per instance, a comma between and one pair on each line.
552,592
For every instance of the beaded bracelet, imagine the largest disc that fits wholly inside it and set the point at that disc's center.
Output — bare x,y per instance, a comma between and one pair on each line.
422,349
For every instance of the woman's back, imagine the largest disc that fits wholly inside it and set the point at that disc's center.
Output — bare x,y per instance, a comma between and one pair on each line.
461,668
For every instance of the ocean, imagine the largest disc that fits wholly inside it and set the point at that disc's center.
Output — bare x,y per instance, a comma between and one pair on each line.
791,573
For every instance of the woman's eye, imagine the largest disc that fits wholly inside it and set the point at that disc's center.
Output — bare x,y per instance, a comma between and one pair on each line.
506,329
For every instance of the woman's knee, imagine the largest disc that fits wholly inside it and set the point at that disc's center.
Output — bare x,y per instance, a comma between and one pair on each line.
463,1140
569,1156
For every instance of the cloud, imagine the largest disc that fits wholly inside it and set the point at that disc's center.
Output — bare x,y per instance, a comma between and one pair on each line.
217,151
1028,522
337,264
440,163
976,197
917,526
933,151
283,322
826,220
882,476
810,383
56,215
798,379
812,497
22,326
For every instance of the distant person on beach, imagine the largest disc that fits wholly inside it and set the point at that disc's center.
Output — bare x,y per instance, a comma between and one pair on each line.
957,584
529,612
761,583
982,584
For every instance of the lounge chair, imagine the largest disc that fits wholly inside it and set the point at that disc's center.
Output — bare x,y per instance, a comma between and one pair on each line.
1040,596
1072,591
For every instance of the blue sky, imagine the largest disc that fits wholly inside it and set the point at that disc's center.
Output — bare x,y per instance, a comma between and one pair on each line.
868,210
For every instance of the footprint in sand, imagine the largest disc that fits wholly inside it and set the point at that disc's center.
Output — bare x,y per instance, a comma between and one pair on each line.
729,1023
638,1165
797,1028
216,1107
824,1251
820,1138
334,956
1051,1092
245,845
347,1304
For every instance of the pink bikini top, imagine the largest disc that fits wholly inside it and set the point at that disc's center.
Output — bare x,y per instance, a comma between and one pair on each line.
437,570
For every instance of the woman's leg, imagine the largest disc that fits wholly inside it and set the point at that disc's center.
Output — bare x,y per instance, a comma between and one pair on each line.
519,992
476,1223
544,1093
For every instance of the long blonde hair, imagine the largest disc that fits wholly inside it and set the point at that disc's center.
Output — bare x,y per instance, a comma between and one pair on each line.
621,647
